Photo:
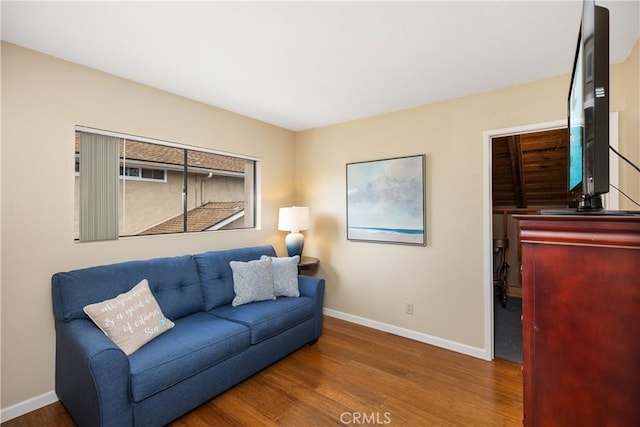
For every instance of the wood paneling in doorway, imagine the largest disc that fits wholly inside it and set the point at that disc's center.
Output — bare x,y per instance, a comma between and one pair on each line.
530,169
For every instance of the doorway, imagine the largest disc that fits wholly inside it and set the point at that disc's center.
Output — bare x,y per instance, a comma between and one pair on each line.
528,173
514,153
611,202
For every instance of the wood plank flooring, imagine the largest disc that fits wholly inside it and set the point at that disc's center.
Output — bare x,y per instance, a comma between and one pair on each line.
357,376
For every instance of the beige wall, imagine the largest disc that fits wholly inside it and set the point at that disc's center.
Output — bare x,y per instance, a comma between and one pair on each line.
42,100
446,279
629,86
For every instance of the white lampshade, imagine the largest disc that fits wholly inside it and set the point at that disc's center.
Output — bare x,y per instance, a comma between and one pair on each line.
294,218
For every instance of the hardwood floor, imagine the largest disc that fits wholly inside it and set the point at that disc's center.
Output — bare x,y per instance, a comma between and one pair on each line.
357,376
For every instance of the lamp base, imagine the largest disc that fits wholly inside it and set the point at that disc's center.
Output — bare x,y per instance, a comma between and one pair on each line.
294,242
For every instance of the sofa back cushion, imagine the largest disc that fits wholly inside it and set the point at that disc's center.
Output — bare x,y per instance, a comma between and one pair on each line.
173,281
216,275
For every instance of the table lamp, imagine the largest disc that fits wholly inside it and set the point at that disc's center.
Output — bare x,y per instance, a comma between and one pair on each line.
294,219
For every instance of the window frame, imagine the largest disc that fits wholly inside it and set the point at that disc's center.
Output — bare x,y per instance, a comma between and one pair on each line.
254,176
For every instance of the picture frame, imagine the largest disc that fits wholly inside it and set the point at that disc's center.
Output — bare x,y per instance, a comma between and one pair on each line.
386,201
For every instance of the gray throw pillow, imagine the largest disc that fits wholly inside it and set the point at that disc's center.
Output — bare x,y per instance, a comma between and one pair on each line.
285,275
252,281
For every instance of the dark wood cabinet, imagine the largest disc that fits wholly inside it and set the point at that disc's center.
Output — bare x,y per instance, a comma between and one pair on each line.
581,320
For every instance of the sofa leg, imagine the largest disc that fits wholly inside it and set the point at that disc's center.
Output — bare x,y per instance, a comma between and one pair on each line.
310,343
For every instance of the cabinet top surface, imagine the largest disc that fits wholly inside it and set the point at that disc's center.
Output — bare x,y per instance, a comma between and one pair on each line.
581,218
592,230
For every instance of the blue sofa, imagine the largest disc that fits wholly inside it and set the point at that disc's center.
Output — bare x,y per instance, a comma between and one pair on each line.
212,346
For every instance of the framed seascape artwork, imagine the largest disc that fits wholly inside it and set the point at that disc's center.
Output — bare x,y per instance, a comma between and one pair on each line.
386,201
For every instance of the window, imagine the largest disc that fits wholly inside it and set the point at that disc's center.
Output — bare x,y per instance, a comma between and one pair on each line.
132,186
133,173
142,173
152,174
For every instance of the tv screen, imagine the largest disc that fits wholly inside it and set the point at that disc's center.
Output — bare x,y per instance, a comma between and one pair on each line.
576,122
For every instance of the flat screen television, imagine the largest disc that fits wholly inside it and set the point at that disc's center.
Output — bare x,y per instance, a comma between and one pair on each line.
588,111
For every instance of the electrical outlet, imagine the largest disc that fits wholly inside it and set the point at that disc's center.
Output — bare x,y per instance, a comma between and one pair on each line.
408,307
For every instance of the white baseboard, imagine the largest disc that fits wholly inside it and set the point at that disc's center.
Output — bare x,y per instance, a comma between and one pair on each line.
480,353
19,409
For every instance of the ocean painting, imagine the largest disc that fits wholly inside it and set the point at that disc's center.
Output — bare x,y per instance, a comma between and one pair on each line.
386,199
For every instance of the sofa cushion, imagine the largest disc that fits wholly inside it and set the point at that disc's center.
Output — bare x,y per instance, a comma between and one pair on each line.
285,275
131,319
216,276
252,281
268,318
173,280
196,343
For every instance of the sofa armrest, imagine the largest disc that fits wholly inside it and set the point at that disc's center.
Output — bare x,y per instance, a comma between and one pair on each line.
311,287
92,375
314,288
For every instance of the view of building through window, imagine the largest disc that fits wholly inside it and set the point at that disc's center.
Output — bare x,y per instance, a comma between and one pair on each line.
161,188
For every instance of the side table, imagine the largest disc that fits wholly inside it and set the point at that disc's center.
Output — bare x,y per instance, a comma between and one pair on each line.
308,266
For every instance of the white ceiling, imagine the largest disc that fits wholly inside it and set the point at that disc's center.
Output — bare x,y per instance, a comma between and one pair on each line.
304,64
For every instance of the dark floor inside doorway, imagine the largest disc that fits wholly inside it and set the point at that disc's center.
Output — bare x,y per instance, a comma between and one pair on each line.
508,329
